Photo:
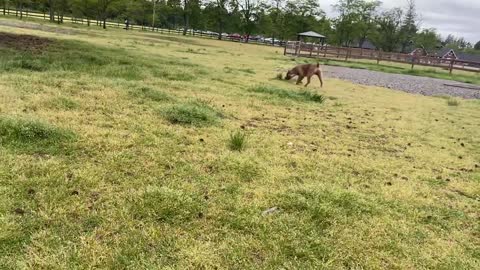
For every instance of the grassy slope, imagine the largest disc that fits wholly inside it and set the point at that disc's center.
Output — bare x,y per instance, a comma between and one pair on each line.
371,178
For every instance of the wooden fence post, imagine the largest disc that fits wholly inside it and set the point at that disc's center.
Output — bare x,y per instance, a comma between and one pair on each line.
285,49
379,55
451,66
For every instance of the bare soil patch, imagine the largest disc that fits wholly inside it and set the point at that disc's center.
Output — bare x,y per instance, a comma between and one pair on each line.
24,42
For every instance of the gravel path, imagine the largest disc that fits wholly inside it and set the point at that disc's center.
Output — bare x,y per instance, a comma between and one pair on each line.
407,83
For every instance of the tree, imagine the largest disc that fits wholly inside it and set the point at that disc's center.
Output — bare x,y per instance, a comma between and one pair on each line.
301,16
409,26
5,6
477,46
387,36
366,24
428,39
103,6
220,15
190,9
355,21
248,10
456,43
277,18
83,9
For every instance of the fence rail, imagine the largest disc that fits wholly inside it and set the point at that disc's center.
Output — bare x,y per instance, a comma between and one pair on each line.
118,24
301,49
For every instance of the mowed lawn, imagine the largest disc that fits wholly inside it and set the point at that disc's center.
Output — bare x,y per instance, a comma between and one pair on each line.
131,150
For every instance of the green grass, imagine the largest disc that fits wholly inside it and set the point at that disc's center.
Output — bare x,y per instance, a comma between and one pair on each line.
146,93
119,150
26,135
192,113
62,103
304,96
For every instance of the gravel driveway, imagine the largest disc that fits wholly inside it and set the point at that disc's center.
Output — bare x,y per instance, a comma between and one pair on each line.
407,83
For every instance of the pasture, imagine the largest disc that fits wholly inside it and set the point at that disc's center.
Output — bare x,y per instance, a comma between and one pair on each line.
135,150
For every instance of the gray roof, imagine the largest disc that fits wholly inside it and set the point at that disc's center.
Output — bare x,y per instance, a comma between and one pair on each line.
442,52
460,55
311,34
468,57
367,44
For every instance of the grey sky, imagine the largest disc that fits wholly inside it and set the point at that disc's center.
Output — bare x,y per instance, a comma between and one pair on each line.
457,17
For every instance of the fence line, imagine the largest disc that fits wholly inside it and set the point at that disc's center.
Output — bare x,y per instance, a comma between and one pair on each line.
118,24
298,48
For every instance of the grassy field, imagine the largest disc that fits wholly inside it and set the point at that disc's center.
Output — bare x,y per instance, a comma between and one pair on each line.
145,151
399,68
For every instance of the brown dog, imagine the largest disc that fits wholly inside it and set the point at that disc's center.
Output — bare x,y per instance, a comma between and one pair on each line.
306,70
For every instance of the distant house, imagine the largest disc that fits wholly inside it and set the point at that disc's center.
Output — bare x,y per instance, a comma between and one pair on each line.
447,53
419,52
469,57
367,44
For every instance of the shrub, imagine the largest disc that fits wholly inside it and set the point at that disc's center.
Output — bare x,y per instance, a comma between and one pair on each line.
238,141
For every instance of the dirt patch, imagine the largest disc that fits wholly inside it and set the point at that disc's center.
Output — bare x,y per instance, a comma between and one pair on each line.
23,42
36,26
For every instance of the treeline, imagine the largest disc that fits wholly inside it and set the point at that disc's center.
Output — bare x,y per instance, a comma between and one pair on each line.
357,22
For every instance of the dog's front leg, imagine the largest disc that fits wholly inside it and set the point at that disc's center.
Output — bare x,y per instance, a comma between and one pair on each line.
299,80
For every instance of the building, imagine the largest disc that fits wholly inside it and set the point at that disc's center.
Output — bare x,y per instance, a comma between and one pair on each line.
447,53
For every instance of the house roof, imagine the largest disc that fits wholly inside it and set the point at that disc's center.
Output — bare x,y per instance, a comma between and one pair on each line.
468,57
311,34
367,44
444,51
459,55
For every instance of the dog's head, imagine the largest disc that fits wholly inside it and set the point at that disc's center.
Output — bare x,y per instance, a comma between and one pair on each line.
289,75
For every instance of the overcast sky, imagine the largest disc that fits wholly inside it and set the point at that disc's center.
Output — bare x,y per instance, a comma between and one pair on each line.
457,17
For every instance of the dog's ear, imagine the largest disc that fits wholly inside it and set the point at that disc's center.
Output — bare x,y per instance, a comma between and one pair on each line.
318,64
